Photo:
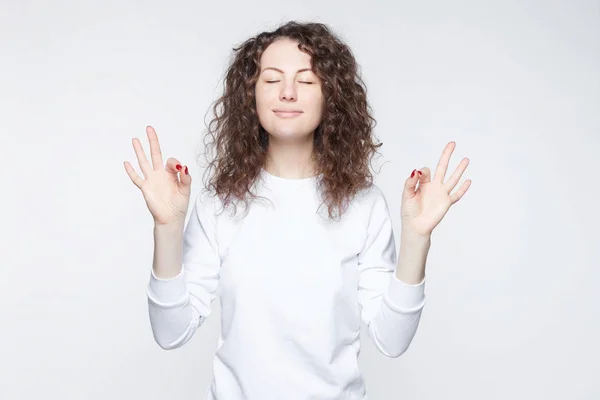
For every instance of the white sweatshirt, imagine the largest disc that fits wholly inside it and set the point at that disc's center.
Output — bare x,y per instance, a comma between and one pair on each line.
294,288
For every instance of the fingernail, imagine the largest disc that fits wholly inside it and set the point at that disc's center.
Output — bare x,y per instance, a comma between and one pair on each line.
420,173
186,170
178,167
413,173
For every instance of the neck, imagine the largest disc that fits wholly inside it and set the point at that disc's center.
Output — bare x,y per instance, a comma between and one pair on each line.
290,160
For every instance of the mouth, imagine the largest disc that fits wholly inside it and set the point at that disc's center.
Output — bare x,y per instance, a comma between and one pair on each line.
287,113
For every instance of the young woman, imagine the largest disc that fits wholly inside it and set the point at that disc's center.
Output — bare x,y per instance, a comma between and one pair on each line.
313,252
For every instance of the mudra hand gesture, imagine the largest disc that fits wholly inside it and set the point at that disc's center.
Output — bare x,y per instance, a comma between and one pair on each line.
423,207
166,190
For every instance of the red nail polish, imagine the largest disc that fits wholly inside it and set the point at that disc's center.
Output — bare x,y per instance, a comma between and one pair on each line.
413,173
178,167
186,170
420,173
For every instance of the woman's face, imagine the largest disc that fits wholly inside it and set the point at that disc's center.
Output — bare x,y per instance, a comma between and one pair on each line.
289,100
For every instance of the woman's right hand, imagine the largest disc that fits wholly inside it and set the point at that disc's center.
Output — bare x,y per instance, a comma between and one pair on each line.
166,190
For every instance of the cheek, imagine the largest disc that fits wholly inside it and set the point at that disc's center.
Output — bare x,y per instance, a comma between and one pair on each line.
262,103
264,97
317,102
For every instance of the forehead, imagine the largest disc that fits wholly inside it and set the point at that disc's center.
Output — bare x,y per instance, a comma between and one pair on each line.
285,55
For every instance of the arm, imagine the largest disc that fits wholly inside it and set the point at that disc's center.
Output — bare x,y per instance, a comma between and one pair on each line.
391,307
168,241
413,257
184,277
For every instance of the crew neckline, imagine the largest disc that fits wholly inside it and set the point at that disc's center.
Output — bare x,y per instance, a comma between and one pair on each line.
289,182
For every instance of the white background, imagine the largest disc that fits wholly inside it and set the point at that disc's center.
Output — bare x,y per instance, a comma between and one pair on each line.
513,299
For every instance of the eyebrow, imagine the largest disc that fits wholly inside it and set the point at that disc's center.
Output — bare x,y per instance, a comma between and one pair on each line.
278,70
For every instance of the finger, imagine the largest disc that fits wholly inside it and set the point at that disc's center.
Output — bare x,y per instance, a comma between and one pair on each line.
141,157
135,178
180,172
410,185
155,153
424,175
456,196
173,166
458,172
176,170
442,166
186,178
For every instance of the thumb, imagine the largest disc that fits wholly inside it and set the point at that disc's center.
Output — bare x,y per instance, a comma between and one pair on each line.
181,171
185,179
410,185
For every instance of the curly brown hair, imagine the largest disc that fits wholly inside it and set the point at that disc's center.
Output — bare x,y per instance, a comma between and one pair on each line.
343,142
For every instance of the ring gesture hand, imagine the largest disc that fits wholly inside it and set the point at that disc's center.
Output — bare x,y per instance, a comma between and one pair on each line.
166,190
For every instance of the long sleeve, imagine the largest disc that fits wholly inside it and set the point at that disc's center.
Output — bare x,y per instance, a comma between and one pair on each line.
391,308
179,305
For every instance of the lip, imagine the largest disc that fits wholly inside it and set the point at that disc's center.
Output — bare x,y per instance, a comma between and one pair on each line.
287,114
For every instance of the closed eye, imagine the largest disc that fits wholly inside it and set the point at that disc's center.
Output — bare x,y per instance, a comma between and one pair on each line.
310,83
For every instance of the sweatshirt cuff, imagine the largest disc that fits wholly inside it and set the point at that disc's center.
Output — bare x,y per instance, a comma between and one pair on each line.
405,298
167,292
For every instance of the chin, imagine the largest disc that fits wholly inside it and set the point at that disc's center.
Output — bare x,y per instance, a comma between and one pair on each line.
289,134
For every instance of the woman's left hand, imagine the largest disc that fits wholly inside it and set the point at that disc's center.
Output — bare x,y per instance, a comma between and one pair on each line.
423,207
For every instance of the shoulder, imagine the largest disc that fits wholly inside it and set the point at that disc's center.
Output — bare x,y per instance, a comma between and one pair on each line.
206,199
370,197
370,203
207,203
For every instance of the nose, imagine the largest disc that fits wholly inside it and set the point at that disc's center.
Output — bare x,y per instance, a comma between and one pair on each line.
288,92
